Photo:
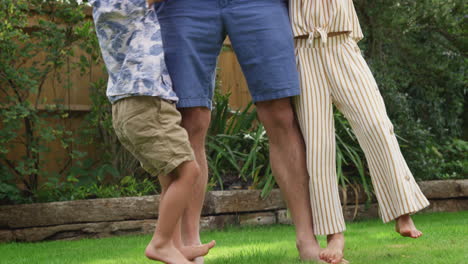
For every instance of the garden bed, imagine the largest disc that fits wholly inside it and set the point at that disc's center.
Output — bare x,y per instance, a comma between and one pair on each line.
138,215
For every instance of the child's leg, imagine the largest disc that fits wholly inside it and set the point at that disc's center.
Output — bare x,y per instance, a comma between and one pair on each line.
150,129
190,252
171,208
357,96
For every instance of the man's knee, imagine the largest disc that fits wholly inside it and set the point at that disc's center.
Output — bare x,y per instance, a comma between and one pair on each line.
276,113
196,120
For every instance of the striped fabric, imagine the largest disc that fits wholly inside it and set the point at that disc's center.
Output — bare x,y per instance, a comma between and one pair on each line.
335,72
317,18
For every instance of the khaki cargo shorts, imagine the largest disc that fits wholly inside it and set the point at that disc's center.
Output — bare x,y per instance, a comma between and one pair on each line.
149,127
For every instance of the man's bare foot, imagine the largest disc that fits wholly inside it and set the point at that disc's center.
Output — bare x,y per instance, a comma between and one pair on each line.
334,252
405,226
309,250
194,252
166,253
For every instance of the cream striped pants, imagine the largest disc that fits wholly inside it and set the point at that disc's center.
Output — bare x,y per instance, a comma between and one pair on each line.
335,72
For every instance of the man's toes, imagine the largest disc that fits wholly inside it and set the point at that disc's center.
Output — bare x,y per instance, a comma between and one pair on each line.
205,248
192,252
212,244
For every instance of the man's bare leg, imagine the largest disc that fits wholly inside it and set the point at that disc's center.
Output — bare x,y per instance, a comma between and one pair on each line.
171,208
196,121
288,162
405,226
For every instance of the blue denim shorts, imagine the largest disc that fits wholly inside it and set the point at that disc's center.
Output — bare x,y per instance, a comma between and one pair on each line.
193,33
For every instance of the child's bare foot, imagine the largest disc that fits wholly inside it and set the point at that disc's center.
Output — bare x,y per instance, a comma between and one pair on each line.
309,250
193,252
334,252
405,226
166,253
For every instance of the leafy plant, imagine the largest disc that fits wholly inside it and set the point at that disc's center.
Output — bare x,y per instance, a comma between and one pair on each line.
416,49
73,188
29,56
452,159
9,192
417,52
238,151
237,147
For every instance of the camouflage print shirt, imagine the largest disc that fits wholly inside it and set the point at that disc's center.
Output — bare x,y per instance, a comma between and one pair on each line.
130,38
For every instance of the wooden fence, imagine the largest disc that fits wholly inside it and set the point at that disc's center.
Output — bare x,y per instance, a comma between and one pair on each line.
77,97
77,101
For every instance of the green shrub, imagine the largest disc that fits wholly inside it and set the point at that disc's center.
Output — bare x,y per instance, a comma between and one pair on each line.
237,148
416,49
28,57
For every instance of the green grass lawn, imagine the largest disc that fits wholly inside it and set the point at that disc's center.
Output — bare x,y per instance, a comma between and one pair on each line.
445,241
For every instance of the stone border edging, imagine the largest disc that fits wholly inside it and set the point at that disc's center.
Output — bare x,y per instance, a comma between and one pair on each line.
137,215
